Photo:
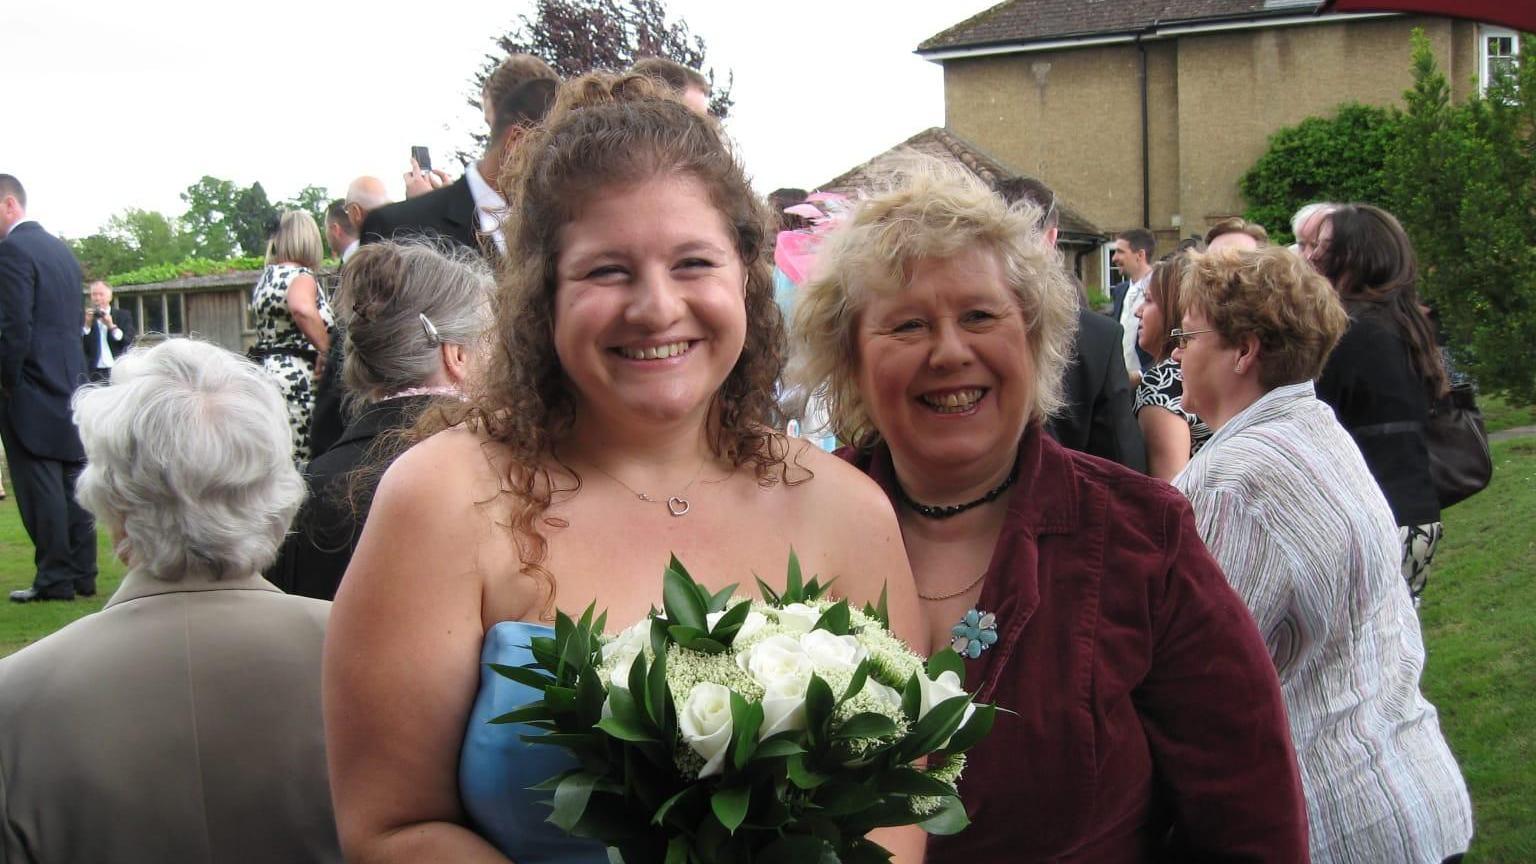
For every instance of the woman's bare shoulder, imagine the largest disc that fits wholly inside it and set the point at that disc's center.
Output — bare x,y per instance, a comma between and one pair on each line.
835,494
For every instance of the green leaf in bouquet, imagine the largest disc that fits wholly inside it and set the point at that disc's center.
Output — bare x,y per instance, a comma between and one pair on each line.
561,700
974,729
933,730
681,799
677,851
640,689
545,653
729,804
797,849
835,620
865,725
523,675
704,645
730,623
801,775
779,746
864,851
535,712
819,703
681,599
658,697
769,595
589,696
684,635
746,719
856,683
950,818
946,661
571,798
842,798
794,589
626,723
880,612
912,698
910,781
718,600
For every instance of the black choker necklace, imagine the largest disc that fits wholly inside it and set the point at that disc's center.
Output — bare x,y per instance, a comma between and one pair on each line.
945,511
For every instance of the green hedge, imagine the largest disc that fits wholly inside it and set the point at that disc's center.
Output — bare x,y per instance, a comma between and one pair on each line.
192,267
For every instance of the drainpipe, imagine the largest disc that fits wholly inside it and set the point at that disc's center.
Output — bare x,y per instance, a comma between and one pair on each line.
1146,144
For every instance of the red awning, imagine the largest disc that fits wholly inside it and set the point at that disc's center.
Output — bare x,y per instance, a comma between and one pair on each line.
1519,14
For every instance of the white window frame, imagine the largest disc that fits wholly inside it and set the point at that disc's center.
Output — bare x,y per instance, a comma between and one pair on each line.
1107,267
1484,34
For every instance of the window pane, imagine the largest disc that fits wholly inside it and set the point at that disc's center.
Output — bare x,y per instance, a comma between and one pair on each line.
176,324
154,313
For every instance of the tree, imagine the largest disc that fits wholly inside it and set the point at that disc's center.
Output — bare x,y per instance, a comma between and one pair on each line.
1338,158
253,219
101,256
1462,179
154,238
211,205
312,200
579,36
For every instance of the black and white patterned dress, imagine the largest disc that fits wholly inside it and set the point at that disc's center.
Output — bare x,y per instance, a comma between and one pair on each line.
283,350
1163,386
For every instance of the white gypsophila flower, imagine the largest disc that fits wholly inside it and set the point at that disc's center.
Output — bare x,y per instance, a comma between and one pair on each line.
798,617
934,692
832,653
705,723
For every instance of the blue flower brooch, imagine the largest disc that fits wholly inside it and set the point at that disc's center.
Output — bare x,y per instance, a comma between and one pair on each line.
975,633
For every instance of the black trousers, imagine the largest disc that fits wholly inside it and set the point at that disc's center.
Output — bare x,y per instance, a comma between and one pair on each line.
99,374
63,533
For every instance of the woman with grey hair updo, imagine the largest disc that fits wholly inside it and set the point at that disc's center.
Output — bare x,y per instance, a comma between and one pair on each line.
182,722
415,314
1144,720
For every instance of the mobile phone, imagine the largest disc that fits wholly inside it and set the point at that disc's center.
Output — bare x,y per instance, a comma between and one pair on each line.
422,157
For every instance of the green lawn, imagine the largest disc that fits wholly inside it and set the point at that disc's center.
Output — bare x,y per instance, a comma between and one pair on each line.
1477,613
1499,414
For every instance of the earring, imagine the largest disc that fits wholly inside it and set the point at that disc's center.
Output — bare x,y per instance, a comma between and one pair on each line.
1238,368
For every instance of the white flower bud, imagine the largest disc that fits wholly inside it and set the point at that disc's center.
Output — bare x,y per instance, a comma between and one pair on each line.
705,721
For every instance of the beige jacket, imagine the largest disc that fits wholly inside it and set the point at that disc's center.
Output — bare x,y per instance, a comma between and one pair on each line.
179,724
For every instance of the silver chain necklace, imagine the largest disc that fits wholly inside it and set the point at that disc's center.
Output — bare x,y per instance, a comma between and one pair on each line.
677,505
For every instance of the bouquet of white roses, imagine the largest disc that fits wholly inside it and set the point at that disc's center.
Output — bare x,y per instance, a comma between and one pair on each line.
728,730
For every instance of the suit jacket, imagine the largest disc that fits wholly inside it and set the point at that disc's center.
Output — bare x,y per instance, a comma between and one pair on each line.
92,342
180,723
448,212
1098,417
316,553
1134,678
1117,294
41,363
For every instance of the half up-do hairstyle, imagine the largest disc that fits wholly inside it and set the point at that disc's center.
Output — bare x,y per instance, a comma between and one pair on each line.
603,131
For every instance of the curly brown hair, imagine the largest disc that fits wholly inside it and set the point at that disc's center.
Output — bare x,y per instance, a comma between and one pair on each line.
607,130
1274,295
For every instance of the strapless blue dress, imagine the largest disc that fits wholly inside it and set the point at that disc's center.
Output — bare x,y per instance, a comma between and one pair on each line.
496,766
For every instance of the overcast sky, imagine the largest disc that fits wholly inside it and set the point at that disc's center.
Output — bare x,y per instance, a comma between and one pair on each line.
109,105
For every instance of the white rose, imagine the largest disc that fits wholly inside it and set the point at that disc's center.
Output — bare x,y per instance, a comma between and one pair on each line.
753,623
798,618
884,695
829,652
935,692
705,721
782,711
778,664
620,654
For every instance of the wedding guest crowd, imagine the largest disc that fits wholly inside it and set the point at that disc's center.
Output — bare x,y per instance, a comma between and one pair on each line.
546,376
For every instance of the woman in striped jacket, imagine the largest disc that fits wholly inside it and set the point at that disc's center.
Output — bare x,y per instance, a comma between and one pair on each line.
1285,502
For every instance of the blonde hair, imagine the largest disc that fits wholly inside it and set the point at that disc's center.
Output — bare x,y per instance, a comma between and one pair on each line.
1277,297
928,209
296,239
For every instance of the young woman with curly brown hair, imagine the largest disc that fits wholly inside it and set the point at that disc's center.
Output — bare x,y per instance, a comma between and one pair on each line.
626,415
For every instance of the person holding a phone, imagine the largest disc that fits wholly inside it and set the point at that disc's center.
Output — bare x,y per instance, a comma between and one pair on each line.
423,178
106,333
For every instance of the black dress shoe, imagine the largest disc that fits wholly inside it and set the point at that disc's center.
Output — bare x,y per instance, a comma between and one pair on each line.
32,595
85,589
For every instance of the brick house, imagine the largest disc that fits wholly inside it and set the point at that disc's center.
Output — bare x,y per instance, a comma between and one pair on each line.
1147,112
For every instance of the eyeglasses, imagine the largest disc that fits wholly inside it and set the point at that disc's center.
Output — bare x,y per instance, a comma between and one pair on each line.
1180,338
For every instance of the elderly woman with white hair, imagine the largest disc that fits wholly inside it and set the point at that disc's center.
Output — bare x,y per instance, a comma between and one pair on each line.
415,316
1144,719
182,722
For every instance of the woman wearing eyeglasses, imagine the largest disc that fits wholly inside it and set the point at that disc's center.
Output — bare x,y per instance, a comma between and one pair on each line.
1286,503
1173,434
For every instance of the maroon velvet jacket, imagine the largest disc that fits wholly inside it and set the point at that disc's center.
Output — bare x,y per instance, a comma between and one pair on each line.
1149,719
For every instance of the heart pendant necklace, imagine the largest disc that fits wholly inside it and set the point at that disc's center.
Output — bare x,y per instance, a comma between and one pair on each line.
677,505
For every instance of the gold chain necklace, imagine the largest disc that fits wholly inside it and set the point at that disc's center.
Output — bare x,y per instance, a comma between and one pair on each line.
677,505
974,583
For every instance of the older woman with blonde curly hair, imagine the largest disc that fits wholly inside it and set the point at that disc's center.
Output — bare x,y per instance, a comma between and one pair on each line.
1290,509
626,414
1144,718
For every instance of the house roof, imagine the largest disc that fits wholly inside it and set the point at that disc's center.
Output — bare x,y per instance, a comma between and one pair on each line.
944,144
1023,21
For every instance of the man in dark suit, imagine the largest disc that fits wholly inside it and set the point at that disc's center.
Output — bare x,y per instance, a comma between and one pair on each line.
106,334
41,364
1098,417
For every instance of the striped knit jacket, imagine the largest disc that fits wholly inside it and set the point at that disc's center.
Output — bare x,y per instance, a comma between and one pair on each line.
1286,504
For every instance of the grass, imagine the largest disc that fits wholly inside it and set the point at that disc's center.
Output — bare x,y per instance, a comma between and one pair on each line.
1477,614
1499,414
